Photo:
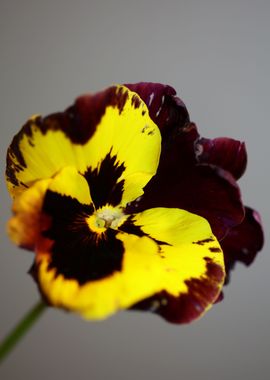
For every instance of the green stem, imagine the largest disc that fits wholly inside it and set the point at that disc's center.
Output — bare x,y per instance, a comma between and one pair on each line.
21,329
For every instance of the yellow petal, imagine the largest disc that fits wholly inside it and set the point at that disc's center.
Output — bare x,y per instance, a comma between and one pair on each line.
68,182
116,146
189,245
165,250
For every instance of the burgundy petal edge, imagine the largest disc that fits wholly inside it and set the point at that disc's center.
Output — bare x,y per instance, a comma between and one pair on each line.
189,306
224,152
243,242
205,190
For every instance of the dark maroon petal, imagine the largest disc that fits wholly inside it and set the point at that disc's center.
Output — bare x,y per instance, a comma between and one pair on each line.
178,152
203,189
243,242
229,154
177,160
166,110
189,306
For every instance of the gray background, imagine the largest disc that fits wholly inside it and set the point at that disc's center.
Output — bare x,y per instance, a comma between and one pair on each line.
216,54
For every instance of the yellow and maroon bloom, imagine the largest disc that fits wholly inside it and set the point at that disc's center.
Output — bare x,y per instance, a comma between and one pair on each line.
125,206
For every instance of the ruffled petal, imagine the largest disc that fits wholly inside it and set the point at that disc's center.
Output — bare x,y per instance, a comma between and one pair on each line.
165,108
159,250
197,182
243,242
206,191
226,153
109,137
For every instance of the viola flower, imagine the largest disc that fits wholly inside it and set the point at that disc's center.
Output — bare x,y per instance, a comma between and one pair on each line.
126,207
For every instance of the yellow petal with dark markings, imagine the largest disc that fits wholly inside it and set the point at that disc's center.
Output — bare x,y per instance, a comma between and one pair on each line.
71,183
131,142
189,245
164,250
120,152
25,226
175,226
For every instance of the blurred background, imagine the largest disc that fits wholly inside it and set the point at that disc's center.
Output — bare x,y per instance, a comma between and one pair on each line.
216,54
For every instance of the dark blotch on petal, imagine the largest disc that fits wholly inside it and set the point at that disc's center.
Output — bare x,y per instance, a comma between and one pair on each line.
165,109
103,182
224,152
243,242
79,122
129,227
14,153
189,306
77,253
213,249
204,241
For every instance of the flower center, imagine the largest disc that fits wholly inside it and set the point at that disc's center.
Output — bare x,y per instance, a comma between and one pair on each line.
106,217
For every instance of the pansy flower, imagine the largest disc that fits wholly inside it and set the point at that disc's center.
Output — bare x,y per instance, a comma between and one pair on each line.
126,207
